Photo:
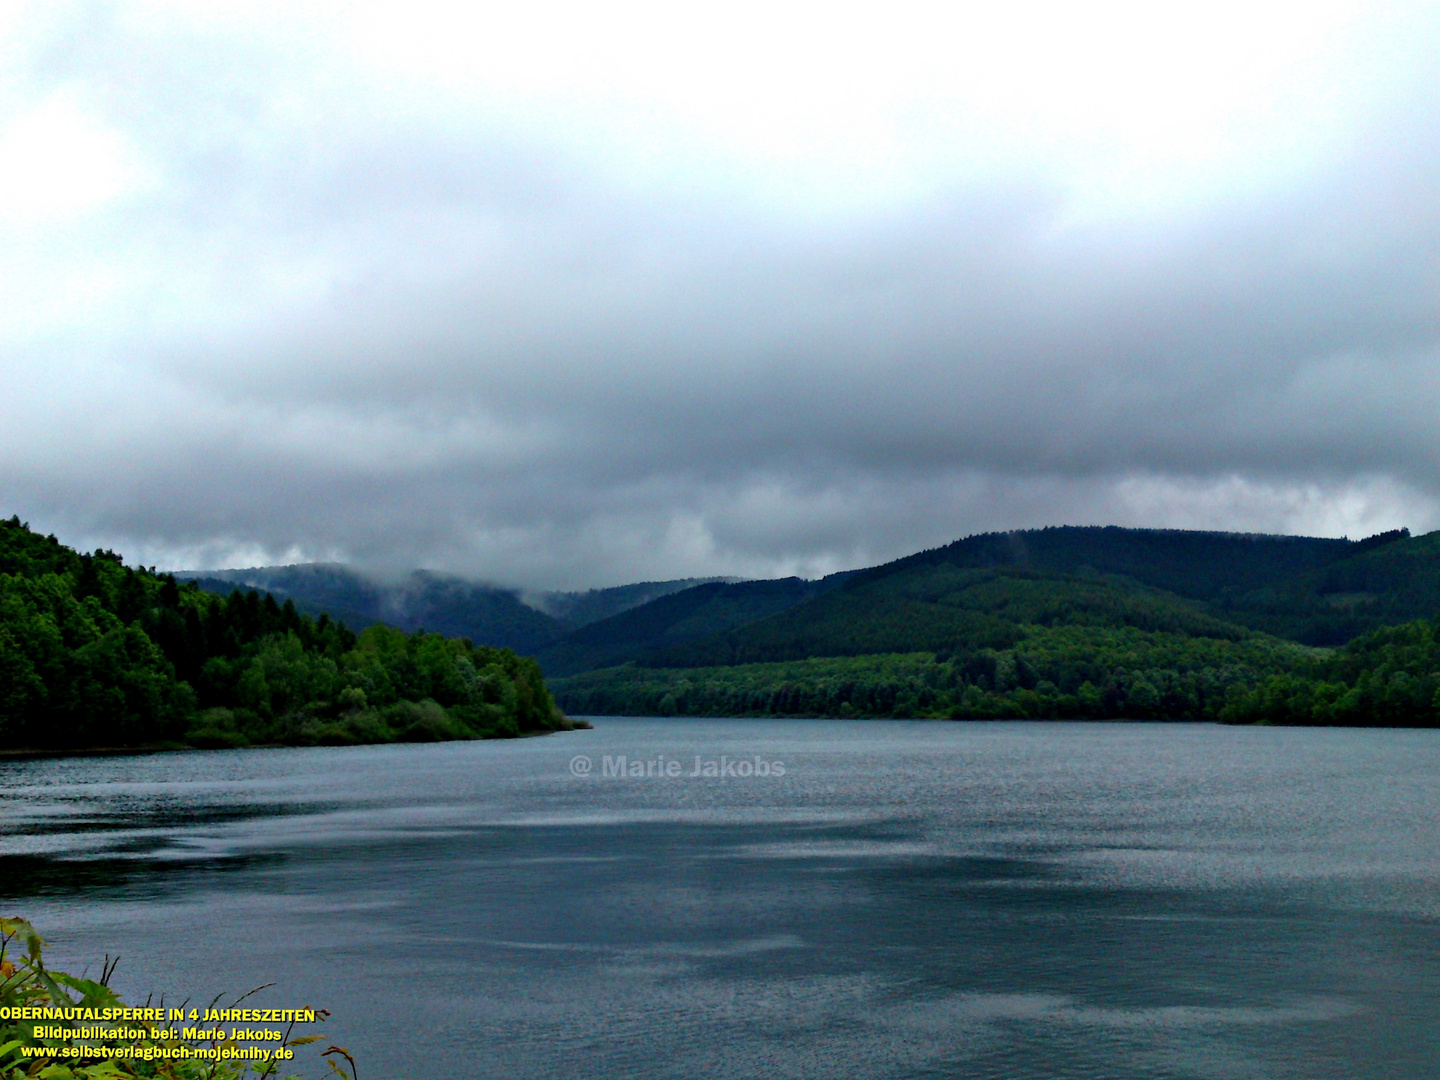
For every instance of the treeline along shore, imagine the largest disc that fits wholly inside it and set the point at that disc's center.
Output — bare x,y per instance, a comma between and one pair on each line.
1058,623
96,654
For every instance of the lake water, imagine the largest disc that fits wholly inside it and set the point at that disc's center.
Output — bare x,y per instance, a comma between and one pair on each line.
907,900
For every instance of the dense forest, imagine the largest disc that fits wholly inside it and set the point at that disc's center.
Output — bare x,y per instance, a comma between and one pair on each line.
1048,673
94,653
1317,591
684,616
1062,622
941,608
1389,677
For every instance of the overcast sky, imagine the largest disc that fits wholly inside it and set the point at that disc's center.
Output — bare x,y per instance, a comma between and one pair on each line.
566,296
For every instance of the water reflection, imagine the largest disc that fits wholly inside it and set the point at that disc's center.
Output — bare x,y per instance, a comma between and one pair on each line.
912,900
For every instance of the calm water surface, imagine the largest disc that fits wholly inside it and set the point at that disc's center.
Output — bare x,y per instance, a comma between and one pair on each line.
907,900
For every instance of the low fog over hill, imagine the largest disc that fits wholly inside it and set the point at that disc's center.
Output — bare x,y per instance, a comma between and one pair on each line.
495,615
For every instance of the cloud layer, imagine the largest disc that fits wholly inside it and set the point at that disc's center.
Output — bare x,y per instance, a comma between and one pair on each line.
569,307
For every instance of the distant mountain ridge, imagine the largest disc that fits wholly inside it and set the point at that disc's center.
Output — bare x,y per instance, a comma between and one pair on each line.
1282,584
443,603
978,592
1066,622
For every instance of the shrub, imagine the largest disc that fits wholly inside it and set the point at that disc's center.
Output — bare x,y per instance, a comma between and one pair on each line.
25,982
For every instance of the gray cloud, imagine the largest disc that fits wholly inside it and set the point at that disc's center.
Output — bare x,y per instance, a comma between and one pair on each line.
323,321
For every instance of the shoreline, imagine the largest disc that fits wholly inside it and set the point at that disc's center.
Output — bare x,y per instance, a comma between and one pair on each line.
30,753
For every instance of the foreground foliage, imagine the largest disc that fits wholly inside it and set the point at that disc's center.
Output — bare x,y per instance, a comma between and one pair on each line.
95,653
25,982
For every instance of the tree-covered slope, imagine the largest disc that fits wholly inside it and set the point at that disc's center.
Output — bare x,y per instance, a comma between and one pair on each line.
684,616
938,607
1121,623
976,591
459,608
1060,671
355,618
1314,590
1389,677
95,653
1190,563
1381,584
579,609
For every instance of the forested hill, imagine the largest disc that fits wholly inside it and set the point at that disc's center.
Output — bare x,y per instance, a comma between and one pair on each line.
941,608
977,591
1315,590
1384,583
580,609
94,653
1100,622
1103,622
1186,562
684,616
